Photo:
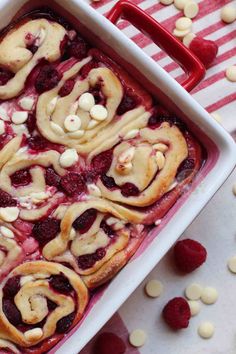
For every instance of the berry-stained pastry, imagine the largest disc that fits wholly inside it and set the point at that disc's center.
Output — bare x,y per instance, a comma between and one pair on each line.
89,162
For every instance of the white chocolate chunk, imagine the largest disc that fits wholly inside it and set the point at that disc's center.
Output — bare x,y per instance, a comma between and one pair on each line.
86,101
157,222
193,291
6,232
68,158
195,307
209,295
160,159
131,134
166,2
93,123
26,103
231,73
137,338
188,39
51,106
99,112
2,127
19,117
183,23
94,190
160,147
179,4
154,288
216,116
26,279
9,214
232,264
191,9
206,330
33,334
72,123
56,128
127,155
228,14
3,114
180,34
77,134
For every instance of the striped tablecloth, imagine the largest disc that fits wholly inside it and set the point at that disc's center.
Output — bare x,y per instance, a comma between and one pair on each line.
215,93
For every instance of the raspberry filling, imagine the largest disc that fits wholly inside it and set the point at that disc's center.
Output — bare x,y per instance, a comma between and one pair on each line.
65,323
21,178
106,228
85,70
5,76
73,184
108,182
12,287
60,283
6,200
52,178
77,48
31,122
37,143
85,221
129,190
88,260
129,101
67,88
11,312
47,79
45,230
185,169
102,162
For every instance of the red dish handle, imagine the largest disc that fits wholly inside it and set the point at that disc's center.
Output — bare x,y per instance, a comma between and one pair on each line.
193,68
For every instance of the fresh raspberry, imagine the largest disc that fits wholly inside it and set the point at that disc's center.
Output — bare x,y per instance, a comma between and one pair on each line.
204,49
176,313
11,311
129,101
189,255
6,200
129,190
60,283
21,178
65,322
5,76
47,79
73,184
109,343
85,221
67,88
52,178
12,286
78,48
45,230
88,260
37,143
31,122
102,162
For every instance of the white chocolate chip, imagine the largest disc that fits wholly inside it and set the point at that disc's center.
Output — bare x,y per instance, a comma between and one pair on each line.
72,123
86,101
3,114
157,222
93,123
180,34
127,155
99,112
216,116
137,338
6,232
160,147
2,127
94,190
179,4
206,330
51,106
56,128
131,134
9,214
231,73
188,39
19,117
232,264
68,158
193,291
26,103
154,288
77,134
183,23
166,2
160,160
209,295
195,307
191,9
33,334
26,279
228,14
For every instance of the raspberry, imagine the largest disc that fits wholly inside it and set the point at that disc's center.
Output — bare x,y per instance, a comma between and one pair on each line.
37,143
52,178
65,322
51,305
109,182
204,49
67,88
12,286
21,178
85,221
73,184
60,283
78,48
129,190
107,343
47,79
11,311
88,260
176,313
85,70
189,255
6,200
32,48
106,228
97,94
5,76
31,123
102,162
129,101
45,230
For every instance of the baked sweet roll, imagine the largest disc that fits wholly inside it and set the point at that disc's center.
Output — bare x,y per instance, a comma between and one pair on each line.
40,300
96,238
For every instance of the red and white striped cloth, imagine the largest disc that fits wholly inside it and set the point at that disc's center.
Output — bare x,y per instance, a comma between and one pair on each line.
214,93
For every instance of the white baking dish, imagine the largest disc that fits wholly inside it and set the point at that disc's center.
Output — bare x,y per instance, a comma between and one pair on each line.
220,161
